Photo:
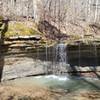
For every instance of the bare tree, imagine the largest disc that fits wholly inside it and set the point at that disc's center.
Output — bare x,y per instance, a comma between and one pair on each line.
96,10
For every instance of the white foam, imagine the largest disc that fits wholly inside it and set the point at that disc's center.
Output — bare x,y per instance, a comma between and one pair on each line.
38,77
60,78
51,76
63,78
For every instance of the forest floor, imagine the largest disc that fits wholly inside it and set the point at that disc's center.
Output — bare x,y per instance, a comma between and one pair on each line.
41,93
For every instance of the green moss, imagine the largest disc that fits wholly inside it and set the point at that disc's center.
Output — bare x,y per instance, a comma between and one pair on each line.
1,24
33,31
20,28
1,18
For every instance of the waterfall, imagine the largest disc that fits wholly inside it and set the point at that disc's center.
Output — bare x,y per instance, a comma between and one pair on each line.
79,58
60,58
46,57
61,53
95,54
46,51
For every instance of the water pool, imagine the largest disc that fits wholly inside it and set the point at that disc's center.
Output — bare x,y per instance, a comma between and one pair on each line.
58,82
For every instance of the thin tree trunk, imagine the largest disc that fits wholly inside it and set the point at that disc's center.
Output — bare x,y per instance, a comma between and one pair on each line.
96,11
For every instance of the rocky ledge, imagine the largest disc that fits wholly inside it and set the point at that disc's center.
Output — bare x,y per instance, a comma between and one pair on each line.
17,67
21,67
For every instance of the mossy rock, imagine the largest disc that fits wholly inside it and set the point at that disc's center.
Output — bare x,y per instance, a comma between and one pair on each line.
1,18
20,28
1,24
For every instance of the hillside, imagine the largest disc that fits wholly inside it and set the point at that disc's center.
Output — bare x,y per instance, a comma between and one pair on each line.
75,18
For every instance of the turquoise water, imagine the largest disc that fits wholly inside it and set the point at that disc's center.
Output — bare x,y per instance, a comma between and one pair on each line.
59,82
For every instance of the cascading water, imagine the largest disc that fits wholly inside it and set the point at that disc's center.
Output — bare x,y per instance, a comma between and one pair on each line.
95,54
46,50
61,53
60,58
79,61
46,59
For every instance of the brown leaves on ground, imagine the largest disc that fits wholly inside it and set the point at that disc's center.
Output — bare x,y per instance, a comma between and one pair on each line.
87,95
41,93
26,93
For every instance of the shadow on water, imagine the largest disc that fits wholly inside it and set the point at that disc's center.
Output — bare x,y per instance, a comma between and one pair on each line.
3,30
